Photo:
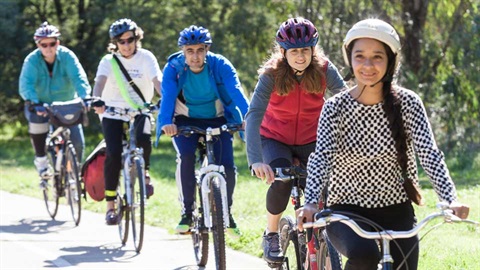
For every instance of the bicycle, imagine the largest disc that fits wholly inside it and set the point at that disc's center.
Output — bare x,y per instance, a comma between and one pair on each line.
211,206
314,254
131,196
325,217
62,159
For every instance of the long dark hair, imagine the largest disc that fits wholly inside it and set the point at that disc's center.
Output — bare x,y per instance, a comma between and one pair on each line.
393,109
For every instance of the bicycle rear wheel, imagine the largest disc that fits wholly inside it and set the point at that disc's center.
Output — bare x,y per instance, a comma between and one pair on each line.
328,257
294,257
72,183
137,210
50,186
218,227
199,234
124,216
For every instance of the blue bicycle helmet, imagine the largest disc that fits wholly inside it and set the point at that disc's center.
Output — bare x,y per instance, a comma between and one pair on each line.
194,35
121,26
297,33
46,31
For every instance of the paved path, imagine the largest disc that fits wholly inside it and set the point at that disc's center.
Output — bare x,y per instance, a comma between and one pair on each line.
30,239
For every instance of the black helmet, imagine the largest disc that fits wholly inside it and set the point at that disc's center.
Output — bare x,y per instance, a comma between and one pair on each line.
121,26
46,31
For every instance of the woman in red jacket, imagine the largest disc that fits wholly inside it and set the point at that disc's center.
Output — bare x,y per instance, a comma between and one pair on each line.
283,115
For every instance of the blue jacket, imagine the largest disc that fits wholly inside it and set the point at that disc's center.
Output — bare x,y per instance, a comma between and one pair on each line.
67,82
223,77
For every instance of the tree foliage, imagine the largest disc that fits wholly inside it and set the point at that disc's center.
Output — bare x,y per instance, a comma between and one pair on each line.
441,43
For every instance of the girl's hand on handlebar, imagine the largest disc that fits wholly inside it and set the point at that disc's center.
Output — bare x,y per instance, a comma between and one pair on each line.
460,210
170,129
264,172
305,214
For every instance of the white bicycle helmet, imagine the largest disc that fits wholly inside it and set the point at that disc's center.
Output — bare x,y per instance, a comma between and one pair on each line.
46,31
374,29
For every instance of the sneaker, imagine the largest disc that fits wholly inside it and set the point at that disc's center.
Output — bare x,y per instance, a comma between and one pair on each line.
232,229
272,252
43,168
185,224
111,217
148,185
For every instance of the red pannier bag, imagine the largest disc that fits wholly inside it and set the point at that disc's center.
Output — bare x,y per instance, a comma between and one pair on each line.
92,172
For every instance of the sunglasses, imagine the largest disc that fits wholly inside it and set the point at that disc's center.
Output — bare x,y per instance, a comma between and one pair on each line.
46,45
126,41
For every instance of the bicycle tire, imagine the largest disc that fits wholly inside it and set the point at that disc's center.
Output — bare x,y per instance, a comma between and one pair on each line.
218,227
199,234
289,236
124,216
50,188
328,257
137,209
72,183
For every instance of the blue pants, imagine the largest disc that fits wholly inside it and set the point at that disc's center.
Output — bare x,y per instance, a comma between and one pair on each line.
186,158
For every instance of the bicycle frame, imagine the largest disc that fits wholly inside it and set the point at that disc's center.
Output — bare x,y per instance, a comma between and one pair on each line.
314,248
132,201
324,218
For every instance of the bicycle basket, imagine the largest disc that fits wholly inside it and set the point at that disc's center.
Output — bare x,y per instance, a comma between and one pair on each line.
92,172
69,113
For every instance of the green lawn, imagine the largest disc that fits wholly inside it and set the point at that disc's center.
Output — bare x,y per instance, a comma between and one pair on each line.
452,246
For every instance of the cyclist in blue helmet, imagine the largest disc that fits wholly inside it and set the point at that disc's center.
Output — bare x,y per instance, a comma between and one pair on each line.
200,88
112,89
290,93
50,73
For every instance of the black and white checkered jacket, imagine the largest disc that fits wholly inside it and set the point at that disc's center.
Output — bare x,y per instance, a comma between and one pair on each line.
356,155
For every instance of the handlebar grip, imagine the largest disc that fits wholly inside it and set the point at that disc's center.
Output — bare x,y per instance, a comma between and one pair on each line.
322,214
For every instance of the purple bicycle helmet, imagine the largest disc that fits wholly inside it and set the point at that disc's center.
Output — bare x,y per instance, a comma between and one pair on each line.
46,31
121,26
193,35
297,33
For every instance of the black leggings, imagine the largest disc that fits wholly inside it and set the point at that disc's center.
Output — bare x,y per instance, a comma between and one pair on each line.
113,131
363,253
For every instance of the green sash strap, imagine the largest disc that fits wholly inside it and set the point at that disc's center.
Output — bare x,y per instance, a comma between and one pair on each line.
121,84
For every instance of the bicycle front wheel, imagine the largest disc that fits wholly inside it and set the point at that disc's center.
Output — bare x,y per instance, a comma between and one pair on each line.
218,227
72,183
124,215
199,233
137,210
50,186
328,257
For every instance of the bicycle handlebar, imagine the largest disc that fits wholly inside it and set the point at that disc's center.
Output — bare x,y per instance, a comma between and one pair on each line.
149,108
189,130
286,174
325,217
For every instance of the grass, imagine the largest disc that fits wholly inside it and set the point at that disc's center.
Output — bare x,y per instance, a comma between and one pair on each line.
452,246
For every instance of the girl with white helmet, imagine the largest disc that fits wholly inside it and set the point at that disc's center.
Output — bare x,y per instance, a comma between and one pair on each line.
367,141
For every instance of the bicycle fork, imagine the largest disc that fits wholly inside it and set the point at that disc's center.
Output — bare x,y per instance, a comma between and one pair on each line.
209,173
129,162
